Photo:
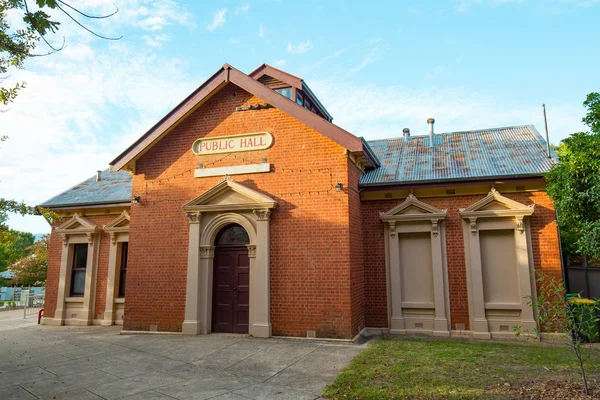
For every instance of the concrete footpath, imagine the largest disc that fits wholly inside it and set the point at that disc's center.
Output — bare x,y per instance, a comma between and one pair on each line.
98,363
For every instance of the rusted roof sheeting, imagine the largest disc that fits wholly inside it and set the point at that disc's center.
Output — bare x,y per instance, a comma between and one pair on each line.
515,151
114,187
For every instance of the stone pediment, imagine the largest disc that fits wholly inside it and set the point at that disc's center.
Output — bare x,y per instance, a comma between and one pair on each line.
77,224
229,195
118,225
412,209
496,205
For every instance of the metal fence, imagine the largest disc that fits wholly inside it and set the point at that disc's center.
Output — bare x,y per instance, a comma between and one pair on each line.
32,304
582,276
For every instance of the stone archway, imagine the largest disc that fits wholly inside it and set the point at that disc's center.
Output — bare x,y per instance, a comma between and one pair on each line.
227,203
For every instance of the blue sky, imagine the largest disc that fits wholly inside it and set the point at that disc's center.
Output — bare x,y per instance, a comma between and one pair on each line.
377,66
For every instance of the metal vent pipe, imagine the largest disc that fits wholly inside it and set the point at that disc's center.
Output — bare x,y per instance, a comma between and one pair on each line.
431,121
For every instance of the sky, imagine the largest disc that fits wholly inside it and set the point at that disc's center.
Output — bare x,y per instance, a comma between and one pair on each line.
470,64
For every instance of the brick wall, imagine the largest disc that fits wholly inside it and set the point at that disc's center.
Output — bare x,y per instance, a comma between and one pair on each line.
544,240
310,239
356,250
54,258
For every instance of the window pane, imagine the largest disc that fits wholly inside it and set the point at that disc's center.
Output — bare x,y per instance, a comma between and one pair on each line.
124,250
233,234
287,92
122,281
78,283
80,256
298,98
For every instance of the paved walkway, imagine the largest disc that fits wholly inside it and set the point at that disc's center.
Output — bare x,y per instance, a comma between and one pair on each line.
98,363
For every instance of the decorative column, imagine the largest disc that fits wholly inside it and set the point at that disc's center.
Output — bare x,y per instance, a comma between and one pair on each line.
205,288
397,320
90,279
527,317
191,323
260,276
440,322
59,314
109,312
480,326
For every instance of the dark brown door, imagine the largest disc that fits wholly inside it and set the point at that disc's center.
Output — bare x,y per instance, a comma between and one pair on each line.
231,282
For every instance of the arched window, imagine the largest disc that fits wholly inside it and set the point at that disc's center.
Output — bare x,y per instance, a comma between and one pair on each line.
232,234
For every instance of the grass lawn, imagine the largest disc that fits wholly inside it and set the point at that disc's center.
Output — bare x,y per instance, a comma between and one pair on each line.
431,368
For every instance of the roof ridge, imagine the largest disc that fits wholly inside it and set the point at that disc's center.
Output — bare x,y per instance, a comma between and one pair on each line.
457,132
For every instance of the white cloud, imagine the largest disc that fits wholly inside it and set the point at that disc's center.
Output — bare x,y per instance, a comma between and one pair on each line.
300,48
152,15
156,40
242,9
84,105
280,63
262,30
378,112
218,20
370,58
437,71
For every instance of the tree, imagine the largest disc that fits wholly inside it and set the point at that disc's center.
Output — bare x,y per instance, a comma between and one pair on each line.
574,185
31,270
574,319
18,45
14,245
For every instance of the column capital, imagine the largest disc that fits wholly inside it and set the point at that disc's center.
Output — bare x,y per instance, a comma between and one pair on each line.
251,250
434,227
473,225
263,214
520,227
194,217
207,251
392,225
90,238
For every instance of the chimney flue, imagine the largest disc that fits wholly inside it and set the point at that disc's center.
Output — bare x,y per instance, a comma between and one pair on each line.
406,133
98,176
431,121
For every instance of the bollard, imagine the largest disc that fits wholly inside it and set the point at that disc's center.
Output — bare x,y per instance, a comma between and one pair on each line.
40,314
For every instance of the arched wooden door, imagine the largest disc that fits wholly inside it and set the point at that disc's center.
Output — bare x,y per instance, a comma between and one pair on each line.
231,281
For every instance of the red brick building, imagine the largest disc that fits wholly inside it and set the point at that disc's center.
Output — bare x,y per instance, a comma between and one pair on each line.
245,209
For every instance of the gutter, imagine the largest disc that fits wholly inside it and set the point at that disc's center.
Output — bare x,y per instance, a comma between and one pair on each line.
99,204
447,181
370,153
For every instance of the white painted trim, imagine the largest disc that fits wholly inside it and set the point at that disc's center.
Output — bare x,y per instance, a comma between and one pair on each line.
233,170
74,299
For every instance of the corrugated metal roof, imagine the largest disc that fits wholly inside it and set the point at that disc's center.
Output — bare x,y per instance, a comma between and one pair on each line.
499,152
113,187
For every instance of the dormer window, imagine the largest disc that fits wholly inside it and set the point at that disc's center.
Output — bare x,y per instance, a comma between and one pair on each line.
287,92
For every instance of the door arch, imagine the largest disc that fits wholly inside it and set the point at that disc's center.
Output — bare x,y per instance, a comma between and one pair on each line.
231,281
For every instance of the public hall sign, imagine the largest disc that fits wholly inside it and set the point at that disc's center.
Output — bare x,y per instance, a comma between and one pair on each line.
234,143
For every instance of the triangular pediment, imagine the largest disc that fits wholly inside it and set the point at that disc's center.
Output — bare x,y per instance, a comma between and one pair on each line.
77,224
229,195
225,76
413,209
121,223
496,205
